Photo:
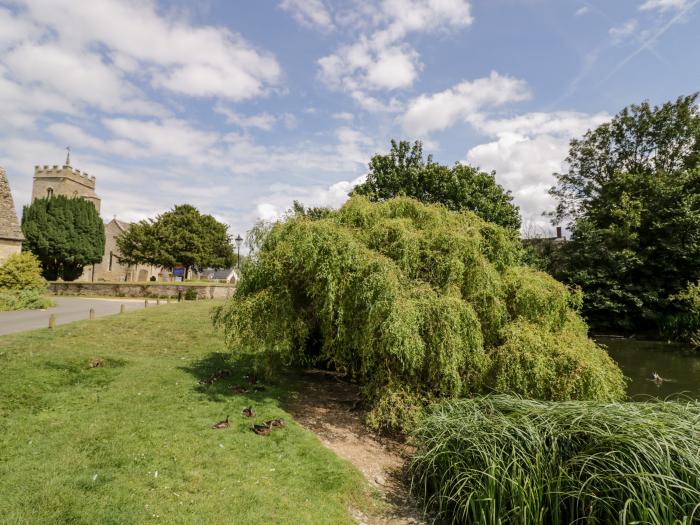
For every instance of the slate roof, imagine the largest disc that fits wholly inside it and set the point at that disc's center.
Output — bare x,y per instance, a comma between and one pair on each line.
9,225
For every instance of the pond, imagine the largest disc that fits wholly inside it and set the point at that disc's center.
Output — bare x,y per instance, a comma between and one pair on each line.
679,364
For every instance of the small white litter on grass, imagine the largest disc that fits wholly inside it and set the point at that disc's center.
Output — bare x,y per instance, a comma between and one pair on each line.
94,477
155,475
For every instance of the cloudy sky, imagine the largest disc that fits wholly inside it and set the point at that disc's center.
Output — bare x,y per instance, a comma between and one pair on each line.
240,107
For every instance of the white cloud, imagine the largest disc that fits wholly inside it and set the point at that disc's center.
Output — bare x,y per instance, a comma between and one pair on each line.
173,53
80,77
310,13
582,10
665,5
167,137
428,113
526,151
624,30
380,58
273,205
264,121
343,116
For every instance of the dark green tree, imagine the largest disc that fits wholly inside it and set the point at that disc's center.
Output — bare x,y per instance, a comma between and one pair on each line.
405,172
65,234
632,196
182,235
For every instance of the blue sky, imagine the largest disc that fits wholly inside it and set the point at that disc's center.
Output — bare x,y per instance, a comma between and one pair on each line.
240,107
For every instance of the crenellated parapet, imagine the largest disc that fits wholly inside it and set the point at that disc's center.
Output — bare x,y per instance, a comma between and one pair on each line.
64,180
65,171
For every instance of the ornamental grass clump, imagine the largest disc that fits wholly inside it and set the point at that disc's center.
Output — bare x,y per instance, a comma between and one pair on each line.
414,303
501,459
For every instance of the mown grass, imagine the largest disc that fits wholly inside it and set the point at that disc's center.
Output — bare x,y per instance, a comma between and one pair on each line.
500,459
131,441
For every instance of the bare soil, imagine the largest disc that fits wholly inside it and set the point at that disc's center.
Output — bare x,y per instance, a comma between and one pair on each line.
329,407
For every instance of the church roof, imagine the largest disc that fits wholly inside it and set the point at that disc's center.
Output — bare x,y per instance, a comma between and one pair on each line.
9,225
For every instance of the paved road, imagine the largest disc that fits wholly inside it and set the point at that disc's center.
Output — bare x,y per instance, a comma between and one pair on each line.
67,310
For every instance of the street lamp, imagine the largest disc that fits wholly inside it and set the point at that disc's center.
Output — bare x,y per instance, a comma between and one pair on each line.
239,241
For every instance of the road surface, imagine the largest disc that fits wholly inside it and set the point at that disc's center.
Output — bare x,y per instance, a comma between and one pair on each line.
67,310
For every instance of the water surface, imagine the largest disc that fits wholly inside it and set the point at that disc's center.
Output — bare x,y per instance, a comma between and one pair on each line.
639,359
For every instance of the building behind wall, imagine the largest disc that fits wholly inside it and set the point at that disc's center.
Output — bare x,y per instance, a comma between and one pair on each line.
111,267
10,232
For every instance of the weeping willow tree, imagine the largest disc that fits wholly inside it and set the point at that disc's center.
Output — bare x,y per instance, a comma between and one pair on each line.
414,302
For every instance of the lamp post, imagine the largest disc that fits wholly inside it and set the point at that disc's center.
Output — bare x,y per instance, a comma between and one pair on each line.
239,241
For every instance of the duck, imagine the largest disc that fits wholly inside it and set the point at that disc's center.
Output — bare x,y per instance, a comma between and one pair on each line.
657,378
279,422
262,430
221,424
249,412
238,389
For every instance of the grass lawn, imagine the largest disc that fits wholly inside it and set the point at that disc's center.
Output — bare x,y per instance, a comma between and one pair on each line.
131,442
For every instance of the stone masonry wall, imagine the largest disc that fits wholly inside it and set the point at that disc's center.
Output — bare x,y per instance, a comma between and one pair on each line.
204,291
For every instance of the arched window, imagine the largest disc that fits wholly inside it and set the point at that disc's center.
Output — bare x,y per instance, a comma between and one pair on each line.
49,192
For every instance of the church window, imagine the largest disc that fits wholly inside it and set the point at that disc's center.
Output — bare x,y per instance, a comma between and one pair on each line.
49,192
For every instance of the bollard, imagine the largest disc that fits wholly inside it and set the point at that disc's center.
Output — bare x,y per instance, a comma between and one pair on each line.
158,302
92,314
145,303
52,321
122,309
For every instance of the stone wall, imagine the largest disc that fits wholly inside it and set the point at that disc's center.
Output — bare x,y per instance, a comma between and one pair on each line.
9,247
154,290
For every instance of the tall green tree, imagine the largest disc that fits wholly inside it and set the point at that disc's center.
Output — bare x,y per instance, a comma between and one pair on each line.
632,199
182,235
66,234
405,172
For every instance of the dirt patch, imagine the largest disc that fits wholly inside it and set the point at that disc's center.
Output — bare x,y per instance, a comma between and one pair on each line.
328,407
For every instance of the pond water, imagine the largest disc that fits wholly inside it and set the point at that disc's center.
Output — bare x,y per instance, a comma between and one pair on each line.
638,360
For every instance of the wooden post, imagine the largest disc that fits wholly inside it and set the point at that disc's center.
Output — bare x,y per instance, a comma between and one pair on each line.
92,314
122,309
158,302
52,321
145,303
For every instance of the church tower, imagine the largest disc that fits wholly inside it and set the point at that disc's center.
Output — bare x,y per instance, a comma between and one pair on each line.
64,180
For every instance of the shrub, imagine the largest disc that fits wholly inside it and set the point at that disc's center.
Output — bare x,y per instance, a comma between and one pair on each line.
501,459
21,271
190,294
11,300
414,302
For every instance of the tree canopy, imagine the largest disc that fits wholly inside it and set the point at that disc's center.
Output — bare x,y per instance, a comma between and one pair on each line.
404,172
66,234
632,192
182,235
414,302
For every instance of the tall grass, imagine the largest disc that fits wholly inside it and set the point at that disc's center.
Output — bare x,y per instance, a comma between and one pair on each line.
501,459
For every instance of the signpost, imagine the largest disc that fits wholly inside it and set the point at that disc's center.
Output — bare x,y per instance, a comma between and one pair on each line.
179,273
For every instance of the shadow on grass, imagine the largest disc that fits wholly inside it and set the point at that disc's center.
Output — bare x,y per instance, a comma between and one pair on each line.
221,376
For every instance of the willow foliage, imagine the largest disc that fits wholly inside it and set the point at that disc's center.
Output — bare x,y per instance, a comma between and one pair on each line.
414,302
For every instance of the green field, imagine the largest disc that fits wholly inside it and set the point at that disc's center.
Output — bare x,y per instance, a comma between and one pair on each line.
131,441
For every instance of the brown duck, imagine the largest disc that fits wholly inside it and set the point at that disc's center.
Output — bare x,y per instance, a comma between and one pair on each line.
262,430
249,412
221,424
275,423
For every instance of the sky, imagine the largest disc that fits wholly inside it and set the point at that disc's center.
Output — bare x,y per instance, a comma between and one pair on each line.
242,107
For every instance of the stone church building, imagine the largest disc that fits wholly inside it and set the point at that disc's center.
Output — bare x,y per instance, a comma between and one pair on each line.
64,180
10,232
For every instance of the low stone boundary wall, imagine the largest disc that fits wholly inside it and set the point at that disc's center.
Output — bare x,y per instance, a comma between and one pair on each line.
155,290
